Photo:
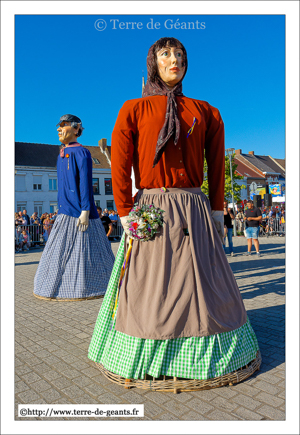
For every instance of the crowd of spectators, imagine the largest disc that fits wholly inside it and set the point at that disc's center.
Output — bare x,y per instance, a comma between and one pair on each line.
30,229
273,220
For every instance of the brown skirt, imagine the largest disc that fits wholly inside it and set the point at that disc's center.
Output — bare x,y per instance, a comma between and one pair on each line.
179,285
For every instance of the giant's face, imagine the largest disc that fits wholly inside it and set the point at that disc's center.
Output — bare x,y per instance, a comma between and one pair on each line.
169,65
67,133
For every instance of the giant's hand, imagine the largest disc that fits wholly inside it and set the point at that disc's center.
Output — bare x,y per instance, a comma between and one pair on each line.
218,219
125,225
83,220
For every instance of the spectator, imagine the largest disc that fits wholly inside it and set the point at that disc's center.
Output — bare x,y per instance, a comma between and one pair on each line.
228,216
114,218
108,226
36,228
253,218
18,219
47,227
35,220
26,218
24,241
240,219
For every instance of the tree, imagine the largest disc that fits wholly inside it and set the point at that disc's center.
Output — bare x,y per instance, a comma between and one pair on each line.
227,189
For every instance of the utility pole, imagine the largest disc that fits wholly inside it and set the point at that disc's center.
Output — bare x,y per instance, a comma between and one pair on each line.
229,153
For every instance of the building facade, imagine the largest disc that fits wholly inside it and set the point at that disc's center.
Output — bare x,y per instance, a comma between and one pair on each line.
36,178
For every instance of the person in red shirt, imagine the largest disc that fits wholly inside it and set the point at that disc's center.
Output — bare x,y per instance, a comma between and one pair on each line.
178,294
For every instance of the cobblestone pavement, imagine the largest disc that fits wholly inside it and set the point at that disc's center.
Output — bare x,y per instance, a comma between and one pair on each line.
52,340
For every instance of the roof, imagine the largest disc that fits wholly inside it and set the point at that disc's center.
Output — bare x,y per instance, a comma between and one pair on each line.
245,171
273,165
45,155
260,162
281,162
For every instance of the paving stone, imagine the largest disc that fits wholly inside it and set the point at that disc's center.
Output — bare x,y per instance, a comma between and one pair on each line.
95,389
221,402
220,415
108,399
73,391
268,388
175,408
246,401
52,374
191,416
61,383
31,377
82,381
168,417
199,406
91,371
226,392
40,386
21,386
272,413
71,373
132,397
50,395
29,396
246,389
246,414
23,369
152,409
269,399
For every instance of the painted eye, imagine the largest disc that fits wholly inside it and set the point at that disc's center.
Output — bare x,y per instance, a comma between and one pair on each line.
179,55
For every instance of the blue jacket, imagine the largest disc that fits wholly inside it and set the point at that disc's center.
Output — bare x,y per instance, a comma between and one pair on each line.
75,188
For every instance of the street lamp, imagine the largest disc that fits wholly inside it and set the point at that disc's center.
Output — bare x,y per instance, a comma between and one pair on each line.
229,153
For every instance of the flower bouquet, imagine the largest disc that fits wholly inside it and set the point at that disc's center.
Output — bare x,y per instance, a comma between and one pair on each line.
144,221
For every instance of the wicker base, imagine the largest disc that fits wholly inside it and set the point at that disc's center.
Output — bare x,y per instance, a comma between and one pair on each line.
67,299
176,385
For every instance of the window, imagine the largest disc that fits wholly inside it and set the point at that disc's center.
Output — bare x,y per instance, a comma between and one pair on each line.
108,186
110,205
38,207
20,183
96,186
53,207
37,182
21,206
96,161
52,184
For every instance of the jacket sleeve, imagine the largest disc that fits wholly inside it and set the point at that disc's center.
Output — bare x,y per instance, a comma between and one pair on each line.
84,162
215,157
122,147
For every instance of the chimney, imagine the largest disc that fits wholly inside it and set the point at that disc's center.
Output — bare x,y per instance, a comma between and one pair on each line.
238,152
103,147
251,153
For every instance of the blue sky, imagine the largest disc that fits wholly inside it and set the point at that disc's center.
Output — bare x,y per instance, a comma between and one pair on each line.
64,65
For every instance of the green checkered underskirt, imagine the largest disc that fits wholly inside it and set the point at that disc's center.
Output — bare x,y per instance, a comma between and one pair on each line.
191,357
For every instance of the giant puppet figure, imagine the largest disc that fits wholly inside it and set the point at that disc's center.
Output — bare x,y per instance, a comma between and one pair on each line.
180,317
77,260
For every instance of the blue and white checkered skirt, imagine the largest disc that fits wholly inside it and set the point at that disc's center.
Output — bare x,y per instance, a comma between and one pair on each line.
74,264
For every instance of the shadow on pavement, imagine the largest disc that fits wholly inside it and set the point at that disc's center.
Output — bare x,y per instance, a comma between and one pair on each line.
269,326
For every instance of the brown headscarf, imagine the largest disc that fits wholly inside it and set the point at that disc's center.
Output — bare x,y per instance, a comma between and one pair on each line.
156,86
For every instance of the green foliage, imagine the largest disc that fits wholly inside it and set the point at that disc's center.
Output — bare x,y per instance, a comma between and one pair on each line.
227,189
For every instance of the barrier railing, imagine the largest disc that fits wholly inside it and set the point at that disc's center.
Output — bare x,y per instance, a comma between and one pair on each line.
36,233
117,231
268,226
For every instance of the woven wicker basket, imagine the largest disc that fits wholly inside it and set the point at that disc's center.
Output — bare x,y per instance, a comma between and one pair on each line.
176,385
67,299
